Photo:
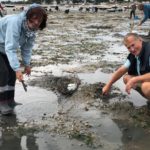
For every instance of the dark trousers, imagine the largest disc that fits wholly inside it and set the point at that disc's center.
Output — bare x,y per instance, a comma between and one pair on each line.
7,80
132,13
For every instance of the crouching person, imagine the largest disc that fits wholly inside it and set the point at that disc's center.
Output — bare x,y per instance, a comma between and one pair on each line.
17,32
136,69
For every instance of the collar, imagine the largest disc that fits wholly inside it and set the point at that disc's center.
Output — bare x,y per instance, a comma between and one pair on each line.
28,32
142,50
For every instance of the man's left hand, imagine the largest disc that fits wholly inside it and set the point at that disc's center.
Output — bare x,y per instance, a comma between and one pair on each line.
131,84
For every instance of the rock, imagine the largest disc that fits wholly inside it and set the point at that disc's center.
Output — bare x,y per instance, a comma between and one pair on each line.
67,85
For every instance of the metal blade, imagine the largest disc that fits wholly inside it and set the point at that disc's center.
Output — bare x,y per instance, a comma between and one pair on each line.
24,85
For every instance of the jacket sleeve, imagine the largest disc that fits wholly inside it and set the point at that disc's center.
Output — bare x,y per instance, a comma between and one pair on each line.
12,43
146,15
26,50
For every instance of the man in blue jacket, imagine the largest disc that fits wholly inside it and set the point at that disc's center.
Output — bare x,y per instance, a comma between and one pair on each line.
146,10
136,70
17,32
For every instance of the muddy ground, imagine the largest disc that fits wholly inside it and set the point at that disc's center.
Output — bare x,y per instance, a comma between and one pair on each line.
63,107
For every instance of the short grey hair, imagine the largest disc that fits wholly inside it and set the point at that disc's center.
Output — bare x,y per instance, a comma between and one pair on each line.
134,35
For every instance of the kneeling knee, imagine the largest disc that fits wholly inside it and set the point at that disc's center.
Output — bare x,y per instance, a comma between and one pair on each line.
146,89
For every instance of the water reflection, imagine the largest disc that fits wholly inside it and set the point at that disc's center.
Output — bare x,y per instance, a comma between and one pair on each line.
14,138
28,142
133,137
8,140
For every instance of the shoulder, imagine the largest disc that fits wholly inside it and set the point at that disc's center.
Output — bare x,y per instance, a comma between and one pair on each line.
127,63
146,45
15,18
14,21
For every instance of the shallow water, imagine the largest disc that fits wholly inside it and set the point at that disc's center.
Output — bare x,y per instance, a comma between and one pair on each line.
37,103
99,76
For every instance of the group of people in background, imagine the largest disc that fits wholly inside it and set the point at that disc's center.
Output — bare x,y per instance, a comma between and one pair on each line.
145,8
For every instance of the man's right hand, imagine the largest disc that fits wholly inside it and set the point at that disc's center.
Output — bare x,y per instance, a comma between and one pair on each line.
106,89
19,75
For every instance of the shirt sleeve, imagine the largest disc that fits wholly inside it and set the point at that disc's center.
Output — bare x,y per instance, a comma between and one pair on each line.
26,51
127,64
146,15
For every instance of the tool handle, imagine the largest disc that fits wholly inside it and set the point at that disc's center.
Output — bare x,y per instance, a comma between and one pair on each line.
24,85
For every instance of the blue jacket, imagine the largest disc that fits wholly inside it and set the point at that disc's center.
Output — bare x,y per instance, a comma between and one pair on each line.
14,36
146,11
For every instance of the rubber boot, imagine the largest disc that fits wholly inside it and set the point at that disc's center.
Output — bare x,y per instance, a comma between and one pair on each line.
13,103
5,109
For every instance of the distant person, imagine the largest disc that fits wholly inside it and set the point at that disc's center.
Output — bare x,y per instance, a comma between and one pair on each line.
146,10
132,12
66,11
17,32
136,69
81,9
56,8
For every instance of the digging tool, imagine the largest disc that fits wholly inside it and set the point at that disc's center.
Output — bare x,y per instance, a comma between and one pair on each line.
24,85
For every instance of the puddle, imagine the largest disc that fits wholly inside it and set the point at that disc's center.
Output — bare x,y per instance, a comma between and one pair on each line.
102,126
40,105
35,103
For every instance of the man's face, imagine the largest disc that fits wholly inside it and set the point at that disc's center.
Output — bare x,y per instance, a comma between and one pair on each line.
34,23
134,45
